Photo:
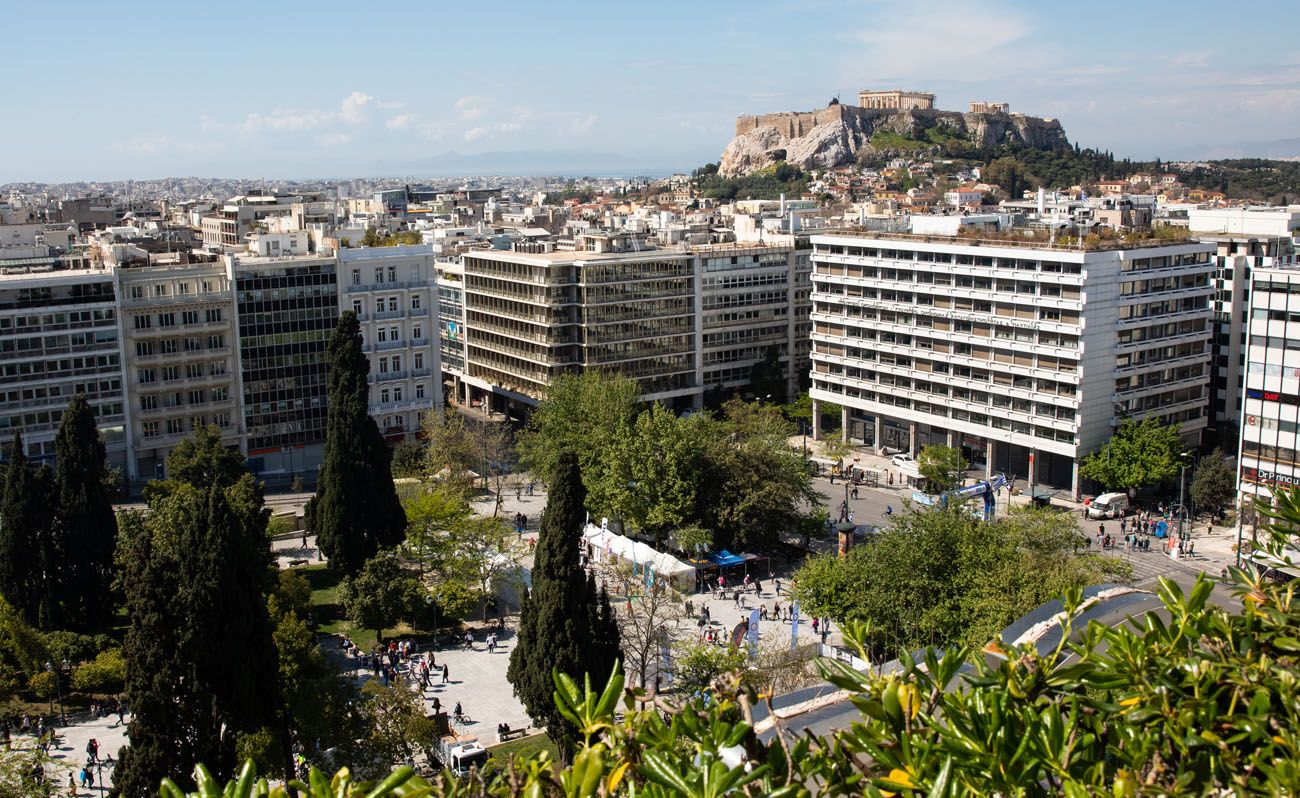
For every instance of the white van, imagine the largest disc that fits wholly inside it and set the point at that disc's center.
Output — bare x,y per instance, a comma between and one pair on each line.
1109,505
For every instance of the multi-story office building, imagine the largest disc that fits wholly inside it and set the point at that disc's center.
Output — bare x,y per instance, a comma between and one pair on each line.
393,291
1270,408
451,325
678,320
181,368
1007,349
1244,239
286,307
533,316
58,337
752,298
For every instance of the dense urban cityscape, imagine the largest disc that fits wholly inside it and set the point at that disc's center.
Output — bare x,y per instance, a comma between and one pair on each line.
909,444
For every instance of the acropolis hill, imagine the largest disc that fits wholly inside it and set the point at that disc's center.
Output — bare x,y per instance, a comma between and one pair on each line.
833,136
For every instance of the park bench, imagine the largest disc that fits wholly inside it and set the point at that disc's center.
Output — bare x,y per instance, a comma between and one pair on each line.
507,733
300,561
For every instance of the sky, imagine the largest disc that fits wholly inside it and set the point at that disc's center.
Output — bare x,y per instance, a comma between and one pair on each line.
101,91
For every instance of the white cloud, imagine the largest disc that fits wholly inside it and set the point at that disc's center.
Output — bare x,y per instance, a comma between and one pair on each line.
475,133
471,107
283,119
354,106
333,139
583,123
399,122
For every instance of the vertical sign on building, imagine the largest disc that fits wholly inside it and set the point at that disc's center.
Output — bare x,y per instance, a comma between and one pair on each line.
752,637
794,626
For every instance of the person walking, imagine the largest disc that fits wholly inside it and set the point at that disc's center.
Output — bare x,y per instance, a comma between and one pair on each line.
444,673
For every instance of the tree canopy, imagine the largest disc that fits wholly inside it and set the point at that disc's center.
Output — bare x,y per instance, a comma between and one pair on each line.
584,413
1140,453
941,577
29,562
86,525
1214,484
942,466
356,510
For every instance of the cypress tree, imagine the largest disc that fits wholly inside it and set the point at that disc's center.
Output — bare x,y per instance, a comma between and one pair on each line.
85,526
202,668
356,510
26,543
560,624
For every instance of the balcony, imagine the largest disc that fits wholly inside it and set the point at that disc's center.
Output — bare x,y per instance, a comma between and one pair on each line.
390,376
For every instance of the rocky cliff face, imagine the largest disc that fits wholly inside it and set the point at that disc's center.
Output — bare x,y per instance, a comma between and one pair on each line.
834,136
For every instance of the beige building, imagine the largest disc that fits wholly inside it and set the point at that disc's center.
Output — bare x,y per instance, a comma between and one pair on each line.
179,360
895,99
989,108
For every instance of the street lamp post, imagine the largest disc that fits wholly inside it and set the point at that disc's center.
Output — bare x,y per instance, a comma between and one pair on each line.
58,687
1182,484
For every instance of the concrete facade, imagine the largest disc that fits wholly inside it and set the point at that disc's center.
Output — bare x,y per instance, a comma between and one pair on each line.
393,291
1007,350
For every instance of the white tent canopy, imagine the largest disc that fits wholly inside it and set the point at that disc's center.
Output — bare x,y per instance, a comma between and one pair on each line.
607,545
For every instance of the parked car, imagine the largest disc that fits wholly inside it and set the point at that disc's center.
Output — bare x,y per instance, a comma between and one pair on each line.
900,460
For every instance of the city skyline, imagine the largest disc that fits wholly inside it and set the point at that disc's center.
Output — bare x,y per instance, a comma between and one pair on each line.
440,90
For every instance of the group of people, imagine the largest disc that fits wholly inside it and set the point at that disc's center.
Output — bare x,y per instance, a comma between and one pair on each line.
108,708
521,523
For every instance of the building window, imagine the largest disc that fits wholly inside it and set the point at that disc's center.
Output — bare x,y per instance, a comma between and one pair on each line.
166,319
397,394
207,286
194,370
144,349
170,346
383,334
170,373
150,429
145,376
415,301
143,322
356,277
160,289
184,289
383,396
392,274
193,344
217,341
217,368
197,397
137,292
417,332
419,360
392,304
214,315
175,426
393,334
222,419
419,391
220,394
148,402
383,365
379,304
397,362
356,306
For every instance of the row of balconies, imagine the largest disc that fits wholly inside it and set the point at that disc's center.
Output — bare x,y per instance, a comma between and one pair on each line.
968,382
381,287
181,356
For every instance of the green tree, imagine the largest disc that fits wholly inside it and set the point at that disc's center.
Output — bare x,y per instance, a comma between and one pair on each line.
409,459
767,379
356,510
754,486
381,594
652,474
941,577
1007,173
584,413
23,651
202,460
86,528
1140,453
27,555
201,661
942,466
559,626
1214,484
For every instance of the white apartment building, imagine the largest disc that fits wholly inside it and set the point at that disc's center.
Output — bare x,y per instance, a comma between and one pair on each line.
1270,408
180,362
1006,349
394,292
58,337
1245,239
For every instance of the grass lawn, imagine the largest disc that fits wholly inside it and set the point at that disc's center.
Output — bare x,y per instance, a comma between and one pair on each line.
325,607
522,748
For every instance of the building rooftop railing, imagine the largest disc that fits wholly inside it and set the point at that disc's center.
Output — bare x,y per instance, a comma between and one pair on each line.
1088,243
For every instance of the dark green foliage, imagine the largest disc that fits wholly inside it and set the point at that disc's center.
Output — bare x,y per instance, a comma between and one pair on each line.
1140,453
27,554
201,664
942,577
409,458
561,625
356,510
201,460
767,379
381,594
768,183
86,529
1213,485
